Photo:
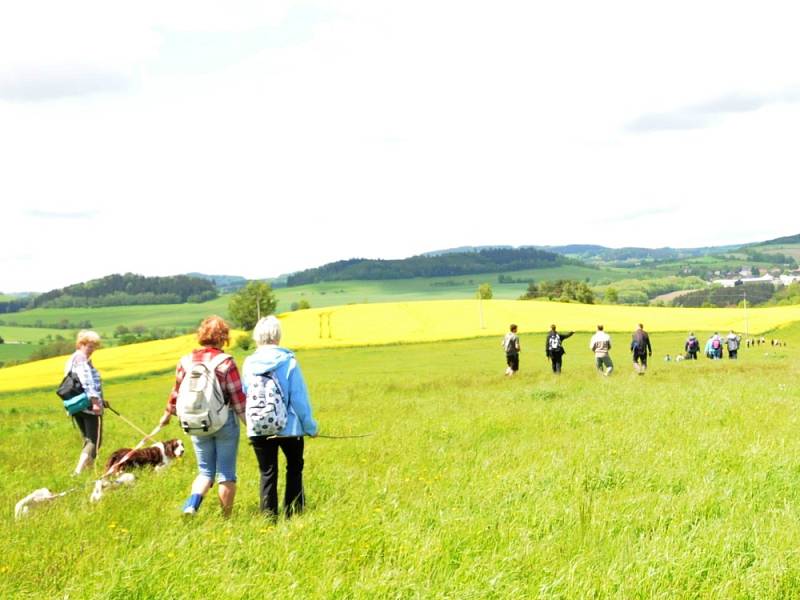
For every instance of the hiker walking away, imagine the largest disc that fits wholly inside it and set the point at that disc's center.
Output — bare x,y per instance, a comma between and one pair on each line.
692,346
510,344
89,421
553,348
733,341
272,374
716,345
641,349
207,398
600,344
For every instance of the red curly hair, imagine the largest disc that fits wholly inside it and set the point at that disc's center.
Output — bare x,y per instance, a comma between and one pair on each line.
213,331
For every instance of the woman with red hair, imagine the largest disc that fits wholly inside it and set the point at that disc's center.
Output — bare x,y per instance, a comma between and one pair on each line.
215,450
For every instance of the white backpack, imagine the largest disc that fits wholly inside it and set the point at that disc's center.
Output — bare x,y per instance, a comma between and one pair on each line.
201,406
554,342
265,412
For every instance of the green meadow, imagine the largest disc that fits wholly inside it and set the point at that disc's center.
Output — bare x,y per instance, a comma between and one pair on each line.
684,483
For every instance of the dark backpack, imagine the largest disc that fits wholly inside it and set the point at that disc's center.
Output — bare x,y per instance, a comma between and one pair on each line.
693,345
638,344
510,343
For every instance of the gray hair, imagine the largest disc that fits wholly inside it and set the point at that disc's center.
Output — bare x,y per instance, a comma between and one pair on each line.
267,331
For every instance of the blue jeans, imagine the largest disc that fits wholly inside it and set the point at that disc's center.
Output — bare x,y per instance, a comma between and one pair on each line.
216,454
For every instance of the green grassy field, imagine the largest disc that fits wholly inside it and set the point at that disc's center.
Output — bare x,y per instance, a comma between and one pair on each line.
105,319
30,335
684,483
435,288
14,352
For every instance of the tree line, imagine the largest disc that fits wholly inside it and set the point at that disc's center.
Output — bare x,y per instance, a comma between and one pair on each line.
128,289
489,260
563,290
718,296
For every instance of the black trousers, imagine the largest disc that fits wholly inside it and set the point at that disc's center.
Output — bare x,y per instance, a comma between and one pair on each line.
555,359
91,427
266,450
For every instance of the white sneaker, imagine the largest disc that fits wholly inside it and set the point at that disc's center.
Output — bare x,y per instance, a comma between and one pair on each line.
190,511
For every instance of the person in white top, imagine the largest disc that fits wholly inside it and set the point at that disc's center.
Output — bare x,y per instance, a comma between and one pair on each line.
600,344
510,344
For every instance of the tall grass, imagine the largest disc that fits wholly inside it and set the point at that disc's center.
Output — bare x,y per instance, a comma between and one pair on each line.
679,484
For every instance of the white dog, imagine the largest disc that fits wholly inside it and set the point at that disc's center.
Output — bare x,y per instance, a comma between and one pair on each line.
34,498
101,484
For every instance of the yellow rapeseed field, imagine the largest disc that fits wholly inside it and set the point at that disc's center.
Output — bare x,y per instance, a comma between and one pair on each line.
386,323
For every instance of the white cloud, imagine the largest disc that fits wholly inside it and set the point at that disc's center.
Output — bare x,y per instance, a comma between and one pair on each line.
290,135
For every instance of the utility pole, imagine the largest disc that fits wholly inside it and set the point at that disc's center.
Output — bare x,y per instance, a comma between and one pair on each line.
746,331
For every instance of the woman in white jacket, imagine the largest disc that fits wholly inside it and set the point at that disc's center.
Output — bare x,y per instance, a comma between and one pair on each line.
89,421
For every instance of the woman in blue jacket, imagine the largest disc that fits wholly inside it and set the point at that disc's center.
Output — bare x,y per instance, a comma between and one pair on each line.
280,363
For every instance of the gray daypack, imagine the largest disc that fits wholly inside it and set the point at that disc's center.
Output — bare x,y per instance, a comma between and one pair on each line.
201,406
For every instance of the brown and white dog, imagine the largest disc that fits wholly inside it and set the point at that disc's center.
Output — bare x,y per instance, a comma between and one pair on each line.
158,455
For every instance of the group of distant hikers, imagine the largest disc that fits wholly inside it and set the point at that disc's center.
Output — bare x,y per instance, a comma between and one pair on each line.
600,344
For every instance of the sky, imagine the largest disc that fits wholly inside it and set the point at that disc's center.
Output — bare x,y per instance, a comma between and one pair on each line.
261,138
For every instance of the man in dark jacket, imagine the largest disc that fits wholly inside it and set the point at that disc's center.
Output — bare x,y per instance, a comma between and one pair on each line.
553,348
641,349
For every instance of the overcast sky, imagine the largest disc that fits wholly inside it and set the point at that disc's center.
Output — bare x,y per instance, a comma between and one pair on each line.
259,138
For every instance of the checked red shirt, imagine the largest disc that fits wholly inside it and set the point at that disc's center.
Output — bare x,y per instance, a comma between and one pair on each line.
227,375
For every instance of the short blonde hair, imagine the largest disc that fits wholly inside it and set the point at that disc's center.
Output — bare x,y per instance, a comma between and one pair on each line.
87,336
213,331
267,331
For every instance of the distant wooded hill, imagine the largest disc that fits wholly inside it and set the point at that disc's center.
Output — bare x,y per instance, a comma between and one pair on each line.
128,289
789,239
602,253
490,260
223,283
